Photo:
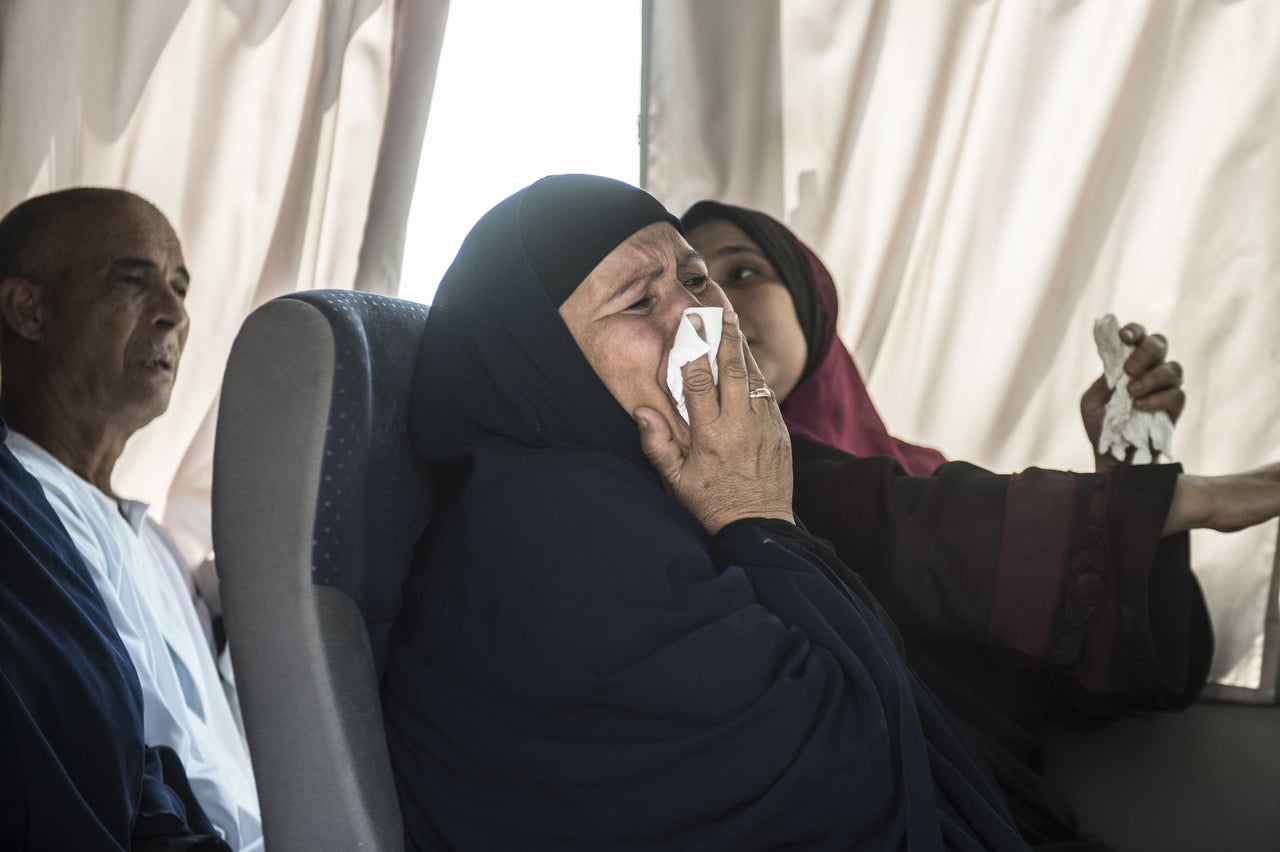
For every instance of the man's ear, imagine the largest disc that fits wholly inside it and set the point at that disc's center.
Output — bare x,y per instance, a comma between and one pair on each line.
22,306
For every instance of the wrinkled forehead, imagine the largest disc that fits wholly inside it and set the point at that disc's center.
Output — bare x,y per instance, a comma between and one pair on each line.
650,251
99,232
659,239
570,223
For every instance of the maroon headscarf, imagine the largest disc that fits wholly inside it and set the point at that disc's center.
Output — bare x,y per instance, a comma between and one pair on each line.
830,403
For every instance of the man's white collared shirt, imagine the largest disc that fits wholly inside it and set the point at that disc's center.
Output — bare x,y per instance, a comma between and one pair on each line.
146,590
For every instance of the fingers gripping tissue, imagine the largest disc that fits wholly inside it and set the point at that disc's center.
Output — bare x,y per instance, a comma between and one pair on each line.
689,346
1148,433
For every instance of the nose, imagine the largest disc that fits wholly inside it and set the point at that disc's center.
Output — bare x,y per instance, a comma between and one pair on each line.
715,296
734,297
691,300
677,306
710,297
167,306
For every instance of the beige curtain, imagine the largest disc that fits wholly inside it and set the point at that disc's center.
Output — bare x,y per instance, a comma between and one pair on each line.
280,138
986,178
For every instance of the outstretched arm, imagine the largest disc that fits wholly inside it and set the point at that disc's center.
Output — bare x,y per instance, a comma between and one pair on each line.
1225,503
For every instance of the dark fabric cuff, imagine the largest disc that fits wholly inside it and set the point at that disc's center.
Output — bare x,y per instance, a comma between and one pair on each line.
1130,628
743,539
1157,623
169,816
1088,585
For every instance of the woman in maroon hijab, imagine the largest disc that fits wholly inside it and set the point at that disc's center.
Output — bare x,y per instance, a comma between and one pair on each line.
824,396
1041,594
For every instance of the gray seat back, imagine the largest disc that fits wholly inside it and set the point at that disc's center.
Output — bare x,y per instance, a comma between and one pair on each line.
318,501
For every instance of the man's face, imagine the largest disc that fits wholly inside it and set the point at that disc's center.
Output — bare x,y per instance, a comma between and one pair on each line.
625,314
115,323
765,308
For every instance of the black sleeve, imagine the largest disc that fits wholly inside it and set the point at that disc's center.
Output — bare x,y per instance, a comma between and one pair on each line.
1061,569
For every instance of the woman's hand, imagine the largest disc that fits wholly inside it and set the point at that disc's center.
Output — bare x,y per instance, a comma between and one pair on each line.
737,462
1225,503
1154,383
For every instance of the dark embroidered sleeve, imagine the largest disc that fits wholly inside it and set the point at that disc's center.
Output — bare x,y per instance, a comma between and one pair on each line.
1065,570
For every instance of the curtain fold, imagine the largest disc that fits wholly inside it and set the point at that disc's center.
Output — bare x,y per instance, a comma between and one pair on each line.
280,138
985,179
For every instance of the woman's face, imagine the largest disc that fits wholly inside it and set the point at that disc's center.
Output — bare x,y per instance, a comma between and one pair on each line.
624,315
765,309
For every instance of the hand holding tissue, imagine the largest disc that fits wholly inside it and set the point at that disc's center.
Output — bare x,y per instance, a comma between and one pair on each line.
1148,433
689,346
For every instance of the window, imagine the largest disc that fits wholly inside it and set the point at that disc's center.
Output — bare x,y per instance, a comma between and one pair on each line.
523,90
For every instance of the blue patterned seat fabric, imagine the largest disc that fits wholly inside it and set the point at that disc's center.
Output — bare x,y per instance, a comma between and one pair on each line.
375,494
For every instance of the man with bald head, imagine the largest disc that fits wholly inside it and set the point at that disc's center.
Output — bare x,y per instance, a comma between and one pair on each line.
92,294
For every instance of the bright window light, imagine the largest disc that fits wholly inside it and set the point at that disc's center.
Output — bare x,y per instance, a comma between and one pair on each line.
523,90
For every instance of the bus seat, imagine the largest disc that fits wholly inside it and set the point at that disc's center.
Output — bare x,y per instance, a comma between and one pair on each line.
318,500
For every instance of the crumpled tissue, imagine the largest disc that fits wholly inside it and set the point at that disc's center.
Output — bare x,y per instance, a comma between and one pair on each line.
1149,433
689,345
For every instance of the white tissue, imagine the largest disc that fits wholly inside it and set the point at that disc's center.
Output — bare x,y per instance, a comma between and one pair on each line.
1149,433
690,346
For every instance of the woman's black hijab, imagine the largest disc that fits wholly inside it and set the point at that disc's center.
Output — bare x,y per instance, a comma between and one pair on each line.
498,368
578,664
